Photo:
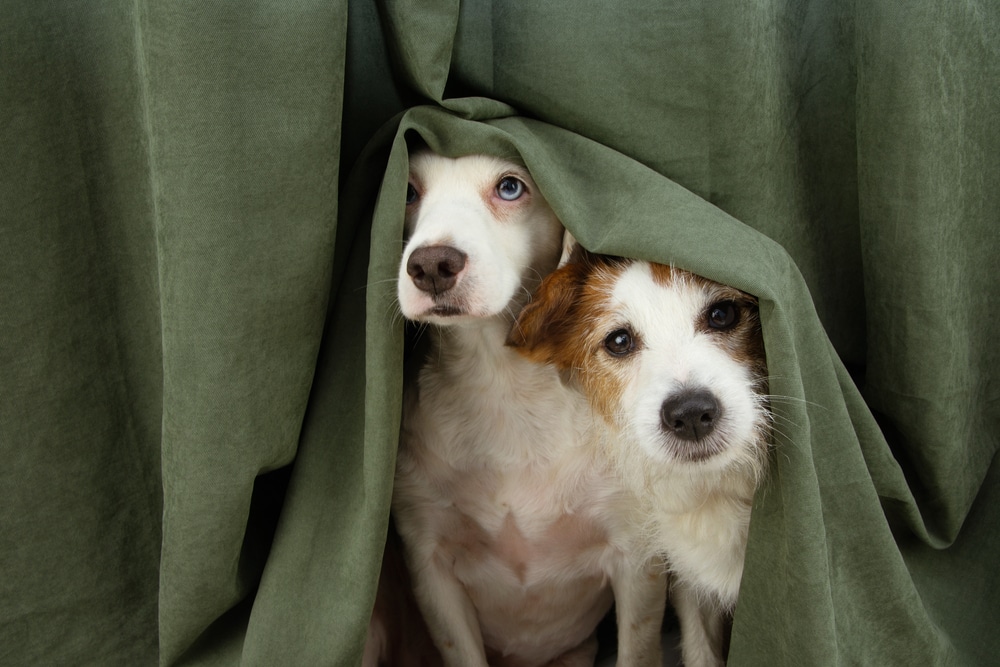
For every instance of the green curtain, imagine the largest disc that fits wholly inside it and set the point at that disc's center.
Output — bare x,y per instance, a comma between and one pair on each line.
200,219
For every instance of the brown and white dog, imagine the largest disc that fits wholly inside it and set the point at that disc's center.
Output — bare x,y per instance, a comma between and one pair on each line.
514,527
675,365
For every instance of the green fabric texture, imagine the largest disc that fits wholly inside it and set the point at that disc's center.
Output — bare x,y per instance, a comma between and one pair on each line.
200,354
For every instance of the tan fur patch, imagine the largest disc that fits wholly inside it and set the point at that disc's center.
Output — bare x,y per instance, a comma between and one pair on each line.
561,326
663,275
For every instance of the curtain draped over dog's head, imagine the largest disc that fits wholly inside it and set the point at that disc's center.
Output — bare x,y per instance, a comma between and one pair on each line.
827,444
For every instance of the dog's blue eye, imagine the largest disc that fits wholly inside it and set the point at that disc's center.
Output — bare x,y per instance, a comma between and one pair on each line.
510,188
723,315
619,342
411,193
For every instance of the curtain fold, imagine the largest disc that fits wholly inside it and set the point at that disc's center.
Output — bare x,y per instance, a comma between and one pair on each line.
200,353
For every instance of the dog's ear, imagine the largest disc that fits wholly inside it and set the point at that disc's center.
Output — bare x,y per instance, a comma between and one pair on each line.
569,244
544,329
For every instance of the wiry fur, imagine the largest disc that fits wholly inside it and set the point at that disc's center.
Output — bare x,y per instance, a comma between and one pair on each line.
514,527
697,492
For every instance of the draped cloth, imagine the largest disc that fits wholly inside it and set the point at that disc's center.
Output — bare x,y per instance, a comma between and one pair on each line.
200,352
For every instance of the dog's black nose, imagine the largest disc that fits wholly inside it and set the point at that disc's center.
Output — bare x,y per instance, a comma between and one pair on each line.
690,414
435,269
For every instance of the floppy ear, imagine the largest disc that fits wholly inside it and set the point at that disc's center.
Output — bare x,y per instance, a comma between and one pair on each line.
544,327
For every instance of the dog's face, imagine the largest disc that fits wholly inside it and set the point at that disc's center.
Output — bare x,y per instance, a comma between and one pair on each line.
672,359
480,236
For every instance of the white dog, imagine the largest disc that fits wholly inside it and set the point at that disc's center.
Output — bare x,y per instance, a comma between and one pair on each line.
514,528
675,365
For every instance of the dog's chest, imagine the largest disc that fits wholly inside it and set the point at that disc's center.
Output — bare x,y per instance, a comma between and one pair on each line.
706,546
527,526
522,494
535,570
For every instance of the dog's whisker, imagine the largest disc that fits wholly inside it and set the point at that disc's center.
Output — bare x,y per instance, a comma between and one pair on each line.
779,429
516,326
794,399
378,283
775,414
509,313
395,315
778,426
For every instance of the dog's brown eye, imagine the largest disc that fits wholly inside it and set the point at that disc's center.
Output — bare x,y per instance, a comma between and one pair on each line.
411,193
510,188
723,315
619,342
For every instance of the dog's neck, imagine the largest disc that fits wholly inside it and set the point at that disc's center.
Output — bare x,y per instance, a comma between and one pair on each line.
678,489
470,369
481,340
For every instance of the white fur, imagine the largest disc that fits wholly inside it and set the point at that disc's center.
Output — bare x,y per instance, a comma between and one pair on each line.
698,512
515,528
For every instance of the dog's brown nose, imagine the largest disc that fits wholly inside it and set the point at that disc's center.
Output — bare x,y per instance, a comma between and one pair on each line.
435,269
690,414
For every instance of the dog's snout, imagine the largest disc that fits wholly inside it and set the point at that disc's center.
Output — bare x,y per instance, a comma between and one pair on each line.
690,414
435,269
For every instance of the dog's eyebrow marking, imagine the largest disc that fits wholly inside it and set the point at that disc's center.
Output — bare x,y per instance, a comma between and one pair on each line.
663,275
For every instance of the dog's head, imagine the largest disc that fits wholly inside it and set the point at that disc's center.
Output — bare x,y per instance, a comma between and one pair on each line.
479,237
672,360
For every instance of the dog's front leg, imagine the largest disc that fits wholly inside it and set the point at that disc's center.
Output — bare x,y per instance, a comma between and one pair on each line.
640,589
449,613
701,628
